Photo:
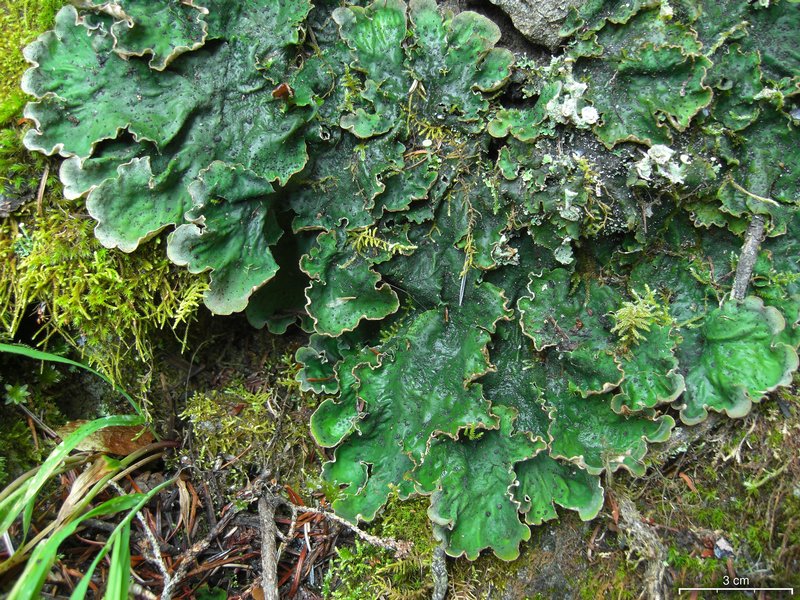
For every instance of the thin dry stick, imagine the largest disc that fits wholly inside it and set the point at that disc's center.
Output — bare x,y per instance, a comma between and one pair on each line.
737,452
401,548
754,485
269,554
155,547
290,535
188,557
40,192
39,422
8,544
138,590
644,541
748,256
439,573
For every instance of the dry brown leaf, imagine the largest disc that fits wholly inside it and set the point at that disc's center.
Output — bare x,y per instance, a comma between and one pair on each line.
121,440
83,483
688,481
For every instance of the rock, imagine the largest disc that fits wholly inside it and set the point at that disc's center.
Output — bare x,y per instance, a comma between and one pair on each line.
538,20
10,203
723,549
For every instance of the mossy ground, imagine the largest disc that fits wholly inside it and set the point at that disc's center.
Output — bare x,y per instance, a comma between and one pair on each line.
243,408
364,571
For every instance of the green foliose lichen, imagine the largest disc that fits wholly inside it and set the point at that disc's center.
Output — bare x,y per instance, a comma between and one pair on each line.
563,260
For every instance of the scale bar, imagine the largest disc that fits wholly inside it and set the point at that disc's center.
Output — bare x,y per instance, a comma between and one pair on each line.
735,589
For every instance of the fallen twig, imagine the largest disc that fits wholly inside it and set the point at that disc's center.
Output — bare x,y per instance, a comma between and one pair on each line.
140,591
401,548
269,555
748,256
188,557
754,485
737,451
155,548
439,573
645,542
40,191
290,535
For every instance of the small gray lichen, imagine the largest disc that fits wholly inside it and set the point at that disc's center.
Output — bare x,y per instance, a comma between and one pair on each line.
659,160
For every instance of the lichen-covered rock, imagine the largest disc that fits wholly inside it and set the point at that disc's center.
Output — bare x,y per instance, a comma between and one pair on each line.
510,289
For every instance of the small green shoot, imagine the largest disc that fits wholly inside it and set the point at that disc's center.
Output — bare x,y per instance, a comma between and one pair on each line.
47,356
17,394
634,319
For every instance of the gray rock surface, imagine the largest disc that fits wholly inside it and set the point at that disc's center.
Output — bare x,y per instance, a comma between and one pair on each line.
10,203
538,20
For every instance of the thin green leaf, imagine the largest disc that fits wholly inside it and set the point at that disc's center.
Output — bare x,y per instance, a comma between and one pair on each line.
40,355
13,497
83,585
24,503
118,573
32,579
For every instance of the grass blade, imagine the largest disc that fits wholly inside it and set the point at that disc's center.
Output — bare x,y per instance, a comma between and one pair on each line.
7,503
119,571
44,556
23,503
47,356
83,585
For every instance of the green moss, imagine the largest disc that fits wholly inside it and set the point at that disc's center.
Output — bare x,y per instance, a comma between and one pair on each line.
775,439
757,539
471,577
364,571
694,570
620,580
713,518
17,449
108,305
350,574
40,385
20,21
20,171
634,319
232,426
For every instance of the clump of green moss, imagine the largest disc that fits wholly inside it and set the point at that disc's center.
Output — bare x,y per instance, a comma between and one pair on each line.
20,171
28,391
634,319
20,21
106,304
18,451
231,427
365,571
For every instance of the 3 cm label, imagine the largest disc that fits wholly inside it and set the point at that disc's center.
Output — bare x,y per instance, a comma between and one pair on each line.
737,581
